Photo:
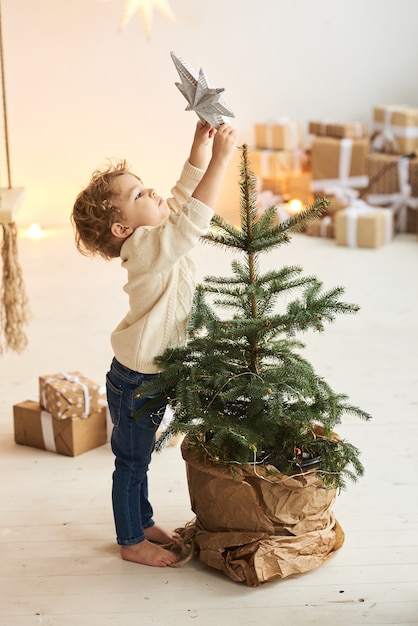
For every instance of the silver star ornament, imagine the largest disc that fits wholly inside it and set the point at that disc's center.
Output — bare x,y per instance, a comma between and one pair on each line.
204,99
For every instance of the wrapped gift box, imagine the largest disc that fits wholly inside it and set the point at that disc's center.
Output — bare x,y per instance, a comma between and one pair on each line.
411,221
393,182
385,173
318,128
364,227
321,227
339,130
396,128
69,394
284,162
263,138
335,203
277,185
285,134
300,186
35,427
339,162
271,163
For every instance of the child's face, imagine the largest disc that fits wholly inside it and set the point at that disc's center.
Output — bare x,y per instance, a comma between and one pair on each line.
139,206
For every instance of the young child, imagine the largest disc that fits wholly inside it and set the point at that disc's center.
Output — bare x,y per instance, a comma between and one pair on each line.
116,215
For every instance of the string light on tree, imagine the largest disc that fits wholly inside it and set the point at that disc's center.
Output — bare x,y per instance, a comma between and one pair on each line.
145,8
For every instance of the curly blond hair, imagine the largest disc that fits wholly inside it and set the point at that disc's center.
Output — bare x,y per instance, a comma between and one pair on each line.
94,212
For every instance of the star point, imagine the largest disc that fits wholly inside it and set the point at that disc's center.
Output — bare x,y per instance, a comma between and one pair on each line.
202,98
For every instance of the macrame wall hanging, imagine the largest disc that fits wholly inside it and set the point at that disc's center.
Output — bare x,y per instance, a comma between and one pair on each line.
14,311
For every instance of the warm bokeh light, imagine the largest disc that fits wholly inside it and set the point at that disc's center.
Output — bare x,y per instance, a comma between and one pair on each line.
145,8
294,206
35,231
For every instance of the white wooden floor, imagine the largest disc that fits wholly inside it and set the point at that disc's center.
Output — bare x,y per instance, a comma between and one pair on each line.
59,565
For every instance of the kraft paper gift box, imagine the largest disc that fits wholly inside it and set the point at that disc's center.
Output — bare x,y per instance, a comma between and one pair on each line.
271,163
299,186
284,134
385,173
259,161
321,227
263,136
35,427
396,128
363,226
69,394
393,182
284,162
339,130
335,203
339,163
382,172
287,135
277,185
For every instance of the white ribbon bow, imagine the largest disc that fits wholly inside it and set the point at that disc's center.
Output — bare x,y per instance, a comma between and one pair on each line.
77,381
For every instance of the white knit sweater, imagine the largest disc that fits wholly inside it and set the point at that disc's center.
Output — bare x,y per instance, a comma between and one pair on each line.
161,278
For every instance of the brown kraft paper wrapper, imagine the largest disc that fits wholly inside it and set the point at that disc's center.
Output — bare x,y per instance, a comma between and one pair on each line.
335,203
326,152
271,163
299,186
69,394
256,525
373,228
338,129
322,227
37,428
278,136
383,173
401,122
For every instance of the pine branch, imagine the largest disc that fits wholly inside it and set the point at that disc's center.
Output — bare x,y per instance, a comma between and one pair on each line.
241,388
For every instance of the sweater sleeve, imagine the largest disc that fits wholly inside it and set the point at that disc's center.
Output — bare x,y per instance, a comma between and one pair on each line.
155,249
185,186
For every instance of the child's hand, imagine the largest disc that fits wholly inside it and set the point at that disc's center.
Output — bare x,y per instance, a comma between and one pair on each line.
204,133
199,153
224,142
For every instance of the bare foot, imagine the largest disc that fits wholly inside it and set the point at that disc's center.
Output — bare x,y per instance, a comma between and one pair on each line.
156,534
147,553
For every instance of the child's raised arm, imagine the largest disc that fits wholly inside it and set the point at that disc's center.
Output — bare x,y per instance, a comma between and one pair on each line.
224,143
202,141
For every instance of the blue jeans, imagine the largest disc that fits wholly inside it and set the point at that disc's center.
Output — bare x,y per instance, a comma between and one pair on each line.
132,442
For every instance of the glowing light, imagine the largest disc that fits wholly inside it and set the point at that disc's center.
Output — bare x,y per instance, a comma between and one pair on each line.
145,8
35,231
294,206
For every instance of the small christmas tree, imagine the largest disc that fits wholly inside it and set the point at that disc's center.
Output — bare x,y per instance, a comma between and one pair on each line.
240,389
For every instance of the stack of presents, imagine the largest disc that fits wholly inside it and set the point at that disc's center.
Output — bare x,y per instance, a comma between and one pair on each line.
370,178
69,418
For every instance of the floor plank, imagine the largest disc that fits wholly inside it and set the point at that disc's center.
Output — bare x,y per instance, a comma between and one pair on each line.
59,565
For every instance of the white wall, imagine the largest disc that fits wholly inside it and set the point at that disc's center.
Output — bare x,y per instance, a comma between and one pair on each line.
80,91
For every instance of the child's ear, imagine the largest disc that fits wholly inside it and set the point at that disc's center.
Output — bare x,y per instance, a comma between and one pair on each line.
121,231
